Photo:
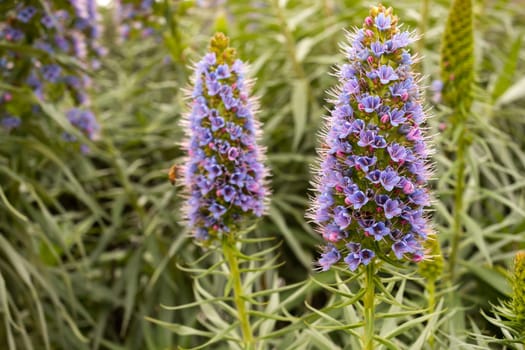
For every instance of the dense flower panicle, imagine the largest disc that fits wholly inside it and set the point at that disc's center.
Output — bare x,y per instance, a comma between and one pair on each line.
224,172
371,183
68,28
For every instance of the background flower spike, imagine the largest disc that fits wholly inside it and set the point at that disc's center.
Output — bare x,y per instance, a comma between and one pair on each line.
224,172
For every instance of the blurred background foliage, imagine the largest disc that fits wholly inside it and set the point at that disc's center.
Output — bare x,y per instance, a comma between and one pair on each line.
90,244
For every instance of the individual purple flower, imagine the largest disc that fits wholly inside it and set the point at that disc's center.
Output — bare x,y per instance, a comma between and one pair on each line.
386,74
224,173
366,138
332,233
341,217
366,256
419,197
228,192
51,72
377,48
369,103
372,178
26,14
353,260
357,199
329,257
223,71
9,122
364,162
85,121
379,142
389,178
397,152
217,210
392,208
378,230
382,22
397,117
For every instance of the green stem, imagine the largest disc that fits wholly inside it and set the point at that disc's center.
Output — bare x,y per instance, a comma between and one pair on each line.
458,201
290,42
368,300
422,31
431,288
231,254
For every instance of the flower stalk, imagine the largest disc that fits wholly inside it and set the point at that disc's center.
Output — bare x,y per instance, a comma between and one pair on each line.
231,254
369,307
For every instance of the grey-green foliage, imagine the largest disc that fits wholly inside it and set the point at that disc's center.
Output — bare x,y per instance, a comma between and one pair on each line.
90,244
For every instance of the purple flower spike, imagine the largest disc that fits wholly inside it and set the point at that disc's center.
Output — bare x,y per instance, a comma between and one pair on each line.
224,175
372,176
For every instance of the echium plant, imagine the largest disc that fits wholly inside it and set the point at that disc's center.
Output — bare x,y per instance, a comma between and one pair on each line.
51,31
224,172
371,183
510,314
372,179
135,18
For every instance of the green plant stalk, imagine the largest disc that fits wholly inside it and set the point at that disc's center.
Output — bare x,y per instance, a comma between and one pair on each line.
431,289
422,31
231,253
368,301
290,42
458,200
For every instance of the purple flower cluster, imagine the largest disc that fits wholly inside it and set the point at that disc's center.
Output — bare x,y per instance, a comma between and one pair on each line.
135,18
66,28
371,183
224,172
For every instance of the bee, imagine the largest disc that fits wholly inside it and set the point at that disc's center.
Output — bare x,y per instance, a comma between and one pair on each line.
173,173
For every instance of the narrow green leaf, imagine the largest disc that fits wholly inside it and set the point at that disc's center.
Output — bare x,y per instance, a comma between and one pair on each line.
299,109
292,241
506,75
491,276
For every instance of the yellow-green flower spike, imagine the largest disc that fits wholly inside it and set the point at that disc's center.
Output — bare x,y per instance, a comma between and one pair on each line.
432,268
457,58
518,295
